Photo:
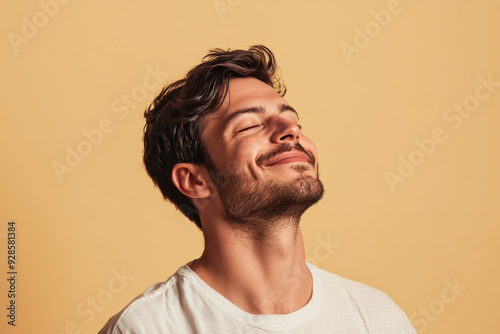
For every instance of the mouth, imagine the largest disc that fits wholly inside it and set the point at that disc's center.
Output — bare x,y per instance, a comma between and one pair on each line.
288,157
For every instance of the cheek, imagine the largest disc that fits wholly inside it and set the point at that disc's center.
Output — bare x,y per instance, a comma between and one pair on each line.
242,155
309,145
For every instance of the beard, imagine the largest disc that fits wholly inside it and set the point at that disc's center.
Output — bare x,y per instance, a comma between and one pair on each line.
260,206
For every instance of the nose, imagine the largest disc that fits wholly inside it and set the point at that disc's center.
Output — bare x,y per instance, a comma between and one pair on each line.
285,131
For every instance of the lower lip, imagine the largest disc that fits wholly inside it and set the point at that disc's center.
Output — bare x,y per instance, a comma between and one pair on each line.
290,160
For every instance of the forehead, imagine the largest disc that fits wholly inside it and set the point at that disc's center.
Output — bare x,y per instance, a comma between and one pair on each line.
244,93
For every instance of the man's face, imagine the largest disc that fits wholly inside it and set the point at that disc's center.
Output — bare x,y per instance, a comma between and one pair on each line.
262,164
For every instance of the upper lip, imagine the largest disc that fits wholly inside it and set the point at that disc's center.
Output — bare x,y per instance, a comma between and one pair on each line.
286,155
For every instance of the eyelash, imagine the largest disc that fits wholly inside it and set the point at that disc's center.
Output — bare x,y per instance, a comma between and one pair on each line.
248,128
254,126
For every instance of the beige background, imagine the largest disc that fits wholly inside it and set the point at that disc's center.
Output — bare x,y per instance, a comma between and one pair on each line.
438,227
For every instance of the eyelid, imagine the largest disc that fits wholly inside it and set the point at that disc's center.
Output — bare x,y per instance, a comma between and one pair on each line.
256,125
248,128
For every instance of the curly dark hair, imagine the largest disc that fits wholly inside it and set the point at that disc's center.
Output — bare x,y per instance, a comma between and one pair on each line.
176,118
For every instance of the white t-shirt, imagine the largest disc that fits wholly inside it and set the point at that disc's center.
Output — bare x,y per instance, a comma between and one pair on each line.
186,304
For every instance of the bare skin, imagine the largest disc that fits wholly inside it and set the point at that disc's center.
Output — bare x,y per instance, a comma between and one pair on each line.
253,276
262,272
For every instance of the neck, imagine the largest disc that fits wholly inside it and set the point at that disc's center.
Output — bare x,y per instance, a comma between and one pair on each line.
260,275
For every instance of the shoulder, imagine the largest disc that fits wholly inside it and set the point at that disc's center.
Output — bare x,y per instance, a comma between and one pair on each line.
356,291
372,306
138,315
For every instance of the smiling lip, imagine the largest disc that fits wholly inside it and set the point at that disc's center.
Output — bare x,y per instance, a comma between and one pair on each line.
288,157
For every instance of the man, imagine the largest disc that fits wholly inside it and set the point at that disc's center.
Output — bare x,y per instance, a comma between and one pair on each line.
225,147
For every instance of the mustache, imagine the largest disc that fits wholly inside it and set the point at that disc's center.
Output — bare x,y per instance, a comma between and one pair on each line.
285,148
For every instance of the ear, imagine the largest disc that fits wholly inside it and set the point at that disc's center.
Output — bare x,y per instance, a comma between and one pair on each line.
191,180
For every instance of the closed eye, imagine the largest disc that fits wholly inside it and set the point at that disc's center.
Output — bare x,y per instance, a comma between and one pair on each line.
257,125
248,128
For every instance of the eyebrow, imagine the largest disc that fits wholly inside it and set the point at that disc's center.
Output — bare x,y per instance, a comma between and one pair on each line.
256,109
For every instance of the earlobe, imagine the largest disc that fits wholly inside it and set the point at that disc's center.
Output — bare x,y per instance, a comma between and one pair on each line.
190,181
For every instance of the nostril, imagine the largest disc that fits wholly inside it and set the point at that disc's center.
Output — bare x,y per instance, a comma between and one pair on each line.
285,136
